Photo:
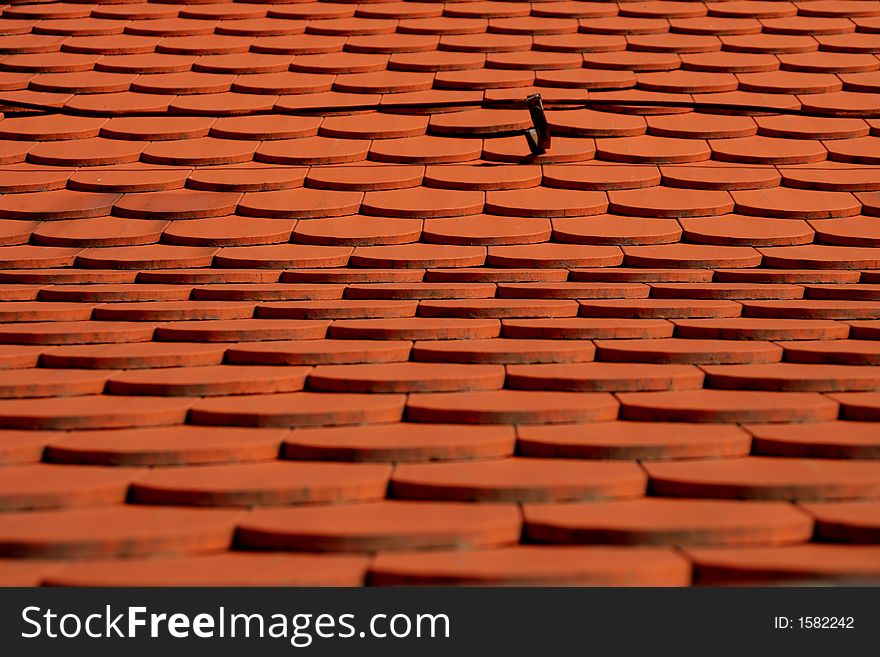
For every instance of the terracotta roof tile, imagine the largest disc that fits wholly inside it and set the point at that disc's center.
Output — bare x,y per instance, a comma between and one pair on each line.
42,486
631,60
760,328
266,291
518,480
390,525
228,231
317,352
205,275
864,328
227,246
512,407
486,230
660,308
794,276
131,355
766,478
207,381
232,569
99,231
859,405
499,308
31,311
586,328
846,352
365,178
850,522
792,376
205,329
727,406
137,178
91,412
694,351
503,350
297,409
811,309
572,290
701,126
395,442
75,332
554,255
276,483
15,356
726,290
406,377
156,129
116,531
533,565
818,440
850,231
42,382
641,274
811,562
740,230
604,376
632,440
668,522
490,274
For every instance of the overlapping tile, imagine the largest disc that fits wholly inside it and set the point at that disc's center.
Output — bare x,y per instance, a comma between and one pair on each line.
236,250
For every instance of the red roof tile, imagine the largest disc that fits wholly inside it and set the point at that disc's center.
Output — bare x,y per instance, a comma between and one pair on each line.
819,440
216,253
810,562
390,525
632,440
232,569
668,522
531,565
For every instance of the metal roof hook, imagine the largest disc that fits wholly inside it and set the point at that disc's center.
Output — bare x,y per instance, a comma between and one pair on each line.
538,136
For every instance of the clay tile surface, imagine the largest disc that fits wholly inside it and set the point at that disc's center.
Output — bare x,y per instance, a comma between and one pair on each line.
518,480
668,522
829,563
388,525
301,256
230,569
532,565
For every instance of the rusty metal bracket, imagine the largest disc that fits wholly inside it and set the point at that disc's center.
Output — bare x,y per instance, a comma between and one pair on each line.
538,136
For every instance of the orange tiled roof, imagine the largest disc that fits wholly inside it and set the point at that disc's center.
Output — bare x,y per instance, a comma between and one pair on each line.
248,341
